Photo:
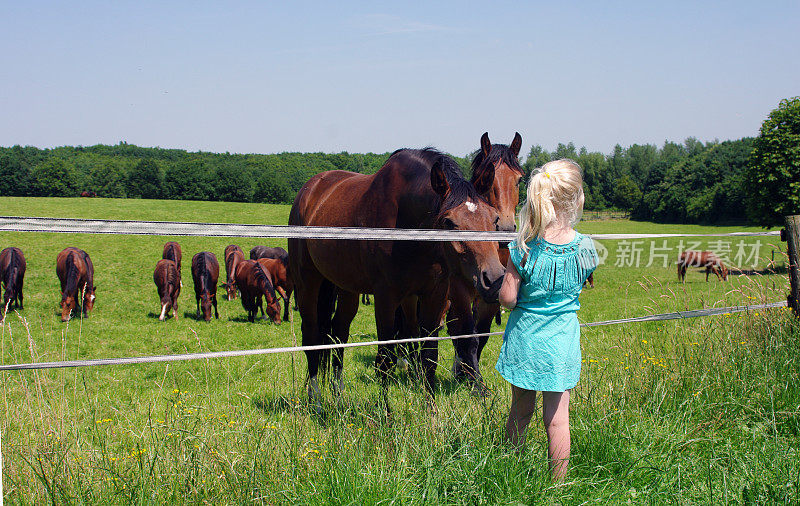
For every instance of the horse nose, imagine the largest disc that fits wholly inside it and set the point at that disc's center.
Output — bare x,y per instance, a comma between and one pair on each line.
490,285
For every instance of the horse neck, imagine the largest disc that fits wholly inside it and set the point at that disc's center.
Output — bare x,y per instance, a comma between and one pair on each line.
263,281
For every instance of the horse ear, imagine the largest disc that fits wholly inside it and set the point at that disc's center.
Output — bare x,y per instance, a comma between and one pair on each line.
516,144
439,180
486,144
483,182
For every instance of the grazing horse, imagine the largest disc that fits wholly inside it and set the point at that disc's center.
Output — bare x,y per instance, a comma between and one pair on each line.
168,283
707,259
172,251
76,273
264,252
281,281
88,193
254,282
468,313
233,256
415,189
205,273
12,276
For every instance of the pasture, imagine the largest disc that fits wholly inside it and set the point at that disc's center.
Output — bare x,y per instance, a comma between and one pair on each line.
681,411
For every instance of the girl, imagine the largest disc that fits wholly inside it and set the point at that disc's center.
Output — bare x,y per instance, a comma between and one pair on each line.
549,262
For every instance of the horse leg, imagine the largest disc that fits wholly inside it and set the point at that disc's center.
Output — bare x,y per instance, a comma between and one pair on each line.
307,298
432,308
483,325
385,309
19,295
197,300
214,301
461,322
285,298
407,325
346,308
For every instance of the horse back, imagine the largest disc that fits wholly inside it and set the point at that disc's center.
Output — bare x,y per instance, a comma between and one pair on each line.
172,251
205,272
72,269
12,266
166,276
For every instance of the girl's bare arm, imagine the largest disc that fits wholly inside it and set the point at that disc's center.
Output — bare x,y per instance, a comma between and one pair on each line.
510,287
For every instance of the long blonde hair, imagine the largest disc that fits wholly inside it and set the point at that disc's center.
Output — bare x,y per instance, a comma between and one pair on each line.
554,194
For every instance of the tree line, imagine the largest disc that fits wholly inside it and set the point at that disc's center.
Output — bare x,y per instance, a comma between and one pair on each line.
687,182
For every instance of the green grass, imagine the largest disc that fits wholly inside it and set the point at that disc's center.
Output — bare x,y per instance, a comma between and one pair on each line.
689,411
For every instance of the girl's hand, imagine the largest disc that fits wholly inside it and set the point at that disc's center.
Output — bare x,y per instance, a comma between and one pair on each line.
510,287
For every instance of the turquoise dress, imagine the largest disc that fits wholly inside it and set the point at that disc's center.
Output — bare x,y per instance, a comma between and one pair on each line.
541,345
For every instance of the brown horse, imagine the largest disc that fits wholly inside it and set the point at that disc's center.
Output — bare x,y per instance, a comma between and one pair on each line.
76,273
205,273
264,252
168,284
254,282
172,251
12,276
707,259
469,313
415,189
88,193
280,280
233,256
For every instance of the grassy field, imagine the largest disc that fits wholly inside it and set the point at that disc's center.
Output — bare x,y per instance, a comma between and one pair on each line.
686,411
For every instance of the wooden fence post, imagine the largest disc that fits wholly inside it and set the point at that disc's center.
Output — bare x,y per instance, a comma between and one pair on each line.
791,234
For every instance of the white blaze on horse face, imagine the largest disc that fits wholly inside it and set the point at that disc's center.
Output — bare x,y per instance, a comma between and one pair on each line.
91,298
163,312
472,206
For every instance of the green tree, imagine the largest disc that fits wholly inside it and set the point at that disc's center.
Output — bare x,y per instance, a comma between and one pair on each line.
14,176
626,193
772,180
145,180
54,178
272,189
108,180
188,180
233,185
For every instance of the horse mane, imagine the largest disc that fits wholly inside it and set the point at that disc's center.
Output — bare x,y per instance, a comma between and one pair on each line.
261,276
203,271
170,254
172,276
461,190
498,153
71,286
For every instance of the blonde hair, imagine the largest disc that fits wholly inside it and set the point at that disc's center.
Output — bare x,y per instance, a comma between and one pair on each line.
554,194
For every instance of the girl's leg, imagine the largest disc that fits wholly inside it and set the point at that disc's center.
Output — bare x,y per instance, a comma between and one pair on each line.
556,422
523,404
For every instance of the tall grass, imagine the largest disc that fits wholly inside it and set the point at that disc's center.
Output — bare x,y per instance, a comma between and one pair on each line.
712,414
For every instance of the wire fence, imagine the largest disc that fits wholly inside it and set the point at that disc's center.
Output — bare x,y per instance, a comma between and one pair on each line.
128,227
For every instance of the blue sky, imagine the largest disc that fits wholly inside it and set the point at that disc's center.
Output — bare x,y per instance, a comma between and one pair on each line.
263,77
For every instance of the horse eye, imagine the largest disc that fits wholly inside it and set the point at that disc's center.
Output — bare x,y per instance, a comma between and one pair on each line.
449,225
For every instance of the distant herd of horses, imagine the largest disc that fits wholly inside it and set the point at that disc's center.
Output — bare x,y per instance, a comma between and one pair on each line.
259,280
416,285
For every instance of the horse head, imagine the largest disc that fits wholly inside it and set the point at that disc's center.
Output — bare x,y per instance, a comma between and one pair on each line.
88,298
463,208
500,164
230,289
68,305
205,305
273,308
